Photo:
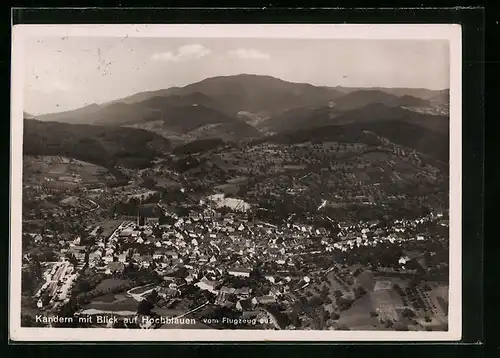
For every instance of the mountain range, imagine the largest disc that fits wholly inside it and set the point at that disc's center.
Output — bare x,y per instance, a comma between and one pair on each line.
234,108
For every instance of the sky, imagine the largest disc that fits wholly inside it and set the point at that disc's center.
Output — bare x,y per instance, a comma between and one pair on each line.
71,72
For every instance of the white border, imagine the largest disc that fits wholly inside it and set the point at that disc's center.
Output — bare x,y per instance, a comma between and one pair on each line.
450,32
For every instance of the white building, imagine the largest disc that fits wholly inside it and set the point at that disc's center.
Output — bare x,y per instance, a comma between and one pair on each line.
239,272
207,285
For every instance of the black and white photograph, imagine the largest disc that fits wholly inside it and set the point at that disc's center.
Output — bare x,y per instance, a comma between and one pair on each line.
236,182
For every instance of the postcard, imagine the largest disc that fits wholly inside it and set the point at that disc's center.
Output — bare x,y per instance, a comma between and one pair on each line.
218,183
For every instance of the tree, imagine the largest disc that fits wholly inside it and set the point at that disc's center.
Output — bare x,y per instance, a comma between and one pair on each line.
27,282
68,310
162,220
142,220
72,259
145,307
28,321
359,291
338,294
316,301
398,326
408,313
46,298
295,319
343,303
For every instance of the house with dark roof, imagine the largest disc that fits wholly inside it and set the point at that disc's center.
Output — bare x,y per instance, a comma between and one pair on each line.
245,305
243,292
263,300
167,292
115,266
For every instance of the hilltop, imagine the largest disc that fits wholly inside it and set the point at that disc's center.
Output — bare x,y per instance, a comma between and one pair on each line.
101,145
242,107
307,118
400,132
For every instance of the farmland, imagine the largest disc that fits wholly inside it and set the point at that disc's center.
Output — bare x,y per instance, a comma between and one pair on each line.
120,303
110,284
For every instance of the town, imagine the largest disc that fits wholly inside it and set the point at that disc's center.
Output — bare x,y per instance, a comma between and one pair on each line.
216,261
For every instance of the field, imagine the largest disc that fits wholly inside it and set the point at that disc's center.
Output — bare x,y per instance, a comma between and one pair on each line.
58,169
383,309
105,298
232,185
52,167
120,304
167,312
373,157
228,188
294,166
358,315
165,182
61,185
332,284
387,302
238,180
437,300
110,284
400,281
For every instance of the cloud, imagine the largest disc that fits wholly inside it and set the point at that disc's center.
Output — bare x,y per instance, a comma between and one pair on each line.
185,52
164,56
249,54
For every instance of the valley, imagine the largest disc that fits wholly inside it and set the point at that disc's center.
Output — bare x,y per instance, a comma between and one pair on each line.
242,199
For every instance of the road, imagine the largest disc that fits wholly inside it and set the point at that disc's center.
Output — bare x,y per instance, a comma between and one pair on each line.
139,296
97,206
120,227
274,321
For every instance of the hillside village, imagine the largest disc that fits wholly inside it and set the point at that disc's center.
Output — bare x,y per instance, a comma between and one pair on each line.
218,260
240,202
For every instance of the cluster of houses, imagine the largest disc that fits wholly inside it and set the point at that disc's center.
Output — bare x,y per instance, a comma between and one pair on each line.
209,248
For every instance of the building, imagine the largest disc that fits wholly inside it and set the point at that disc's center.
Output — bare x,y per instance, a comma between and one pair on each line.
243,292
275,292
240,272
207,285
167,292
270,278
225,295
263,300
245,305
